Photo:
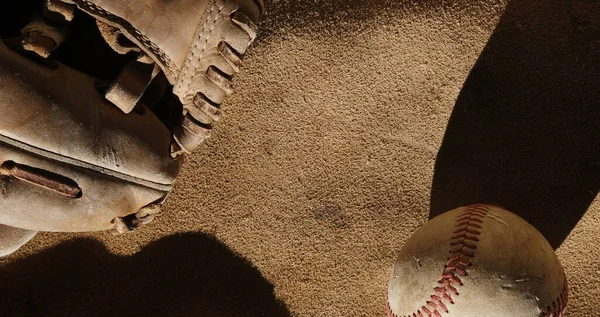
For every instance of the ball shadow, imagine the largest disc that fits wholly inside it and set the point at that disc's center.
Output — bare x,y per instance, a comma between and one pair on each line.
525,131
183,275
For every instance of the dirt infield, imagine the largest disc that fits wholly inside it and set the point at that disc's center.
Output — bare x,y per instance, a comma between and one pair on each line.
352,123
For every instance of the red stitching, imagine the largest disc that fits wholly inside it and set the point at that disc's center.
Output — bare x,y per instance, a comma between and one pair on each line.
462,245
559,305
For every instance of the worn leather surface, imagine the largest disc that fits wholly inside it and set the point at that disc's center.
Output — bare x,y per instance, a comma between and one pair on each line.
169,31
513,270
164,28
198,45
11,239
29,206
324,162
61,112
54,120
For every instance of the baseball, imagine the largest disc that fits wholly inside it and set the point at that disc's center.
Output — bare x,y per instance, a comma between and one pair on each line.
474,261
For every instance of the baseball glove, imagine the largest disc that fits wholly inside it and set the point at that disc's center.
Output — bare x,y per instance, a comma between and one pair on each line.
99,99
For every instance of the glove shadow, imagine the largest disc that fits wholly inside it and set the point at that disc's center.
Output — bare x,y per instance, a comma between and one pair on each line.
191,274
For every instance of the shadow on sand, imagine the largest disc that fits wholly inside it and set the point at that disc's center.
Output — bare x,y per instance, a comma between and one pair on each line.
525,130
183,275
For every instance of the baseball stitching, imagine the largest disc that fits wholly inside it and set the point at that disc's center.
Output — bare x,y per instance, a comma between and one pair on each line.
462,245
559,305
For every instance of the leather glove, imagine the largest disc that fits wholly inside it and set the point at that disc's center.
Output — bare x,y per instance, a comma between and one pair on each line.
99,99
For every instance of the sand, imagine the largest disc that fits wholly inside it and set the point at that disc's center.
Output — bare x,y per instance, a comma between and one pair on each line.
352,124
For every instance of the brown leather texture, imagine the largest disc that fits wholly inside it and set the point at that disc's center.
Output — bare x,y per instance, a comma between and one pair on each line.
33,206
332,152
13,238
61,112
479,260
198,45
167,30
57,133
90,166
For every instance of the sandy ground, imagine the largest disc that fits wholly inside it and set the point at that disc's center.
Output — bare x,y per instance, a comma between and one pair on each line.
353,123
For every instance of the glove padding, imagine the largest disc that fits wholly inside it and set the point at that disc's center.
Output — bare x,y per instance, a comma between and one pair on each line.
197,43
69,159
82,154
